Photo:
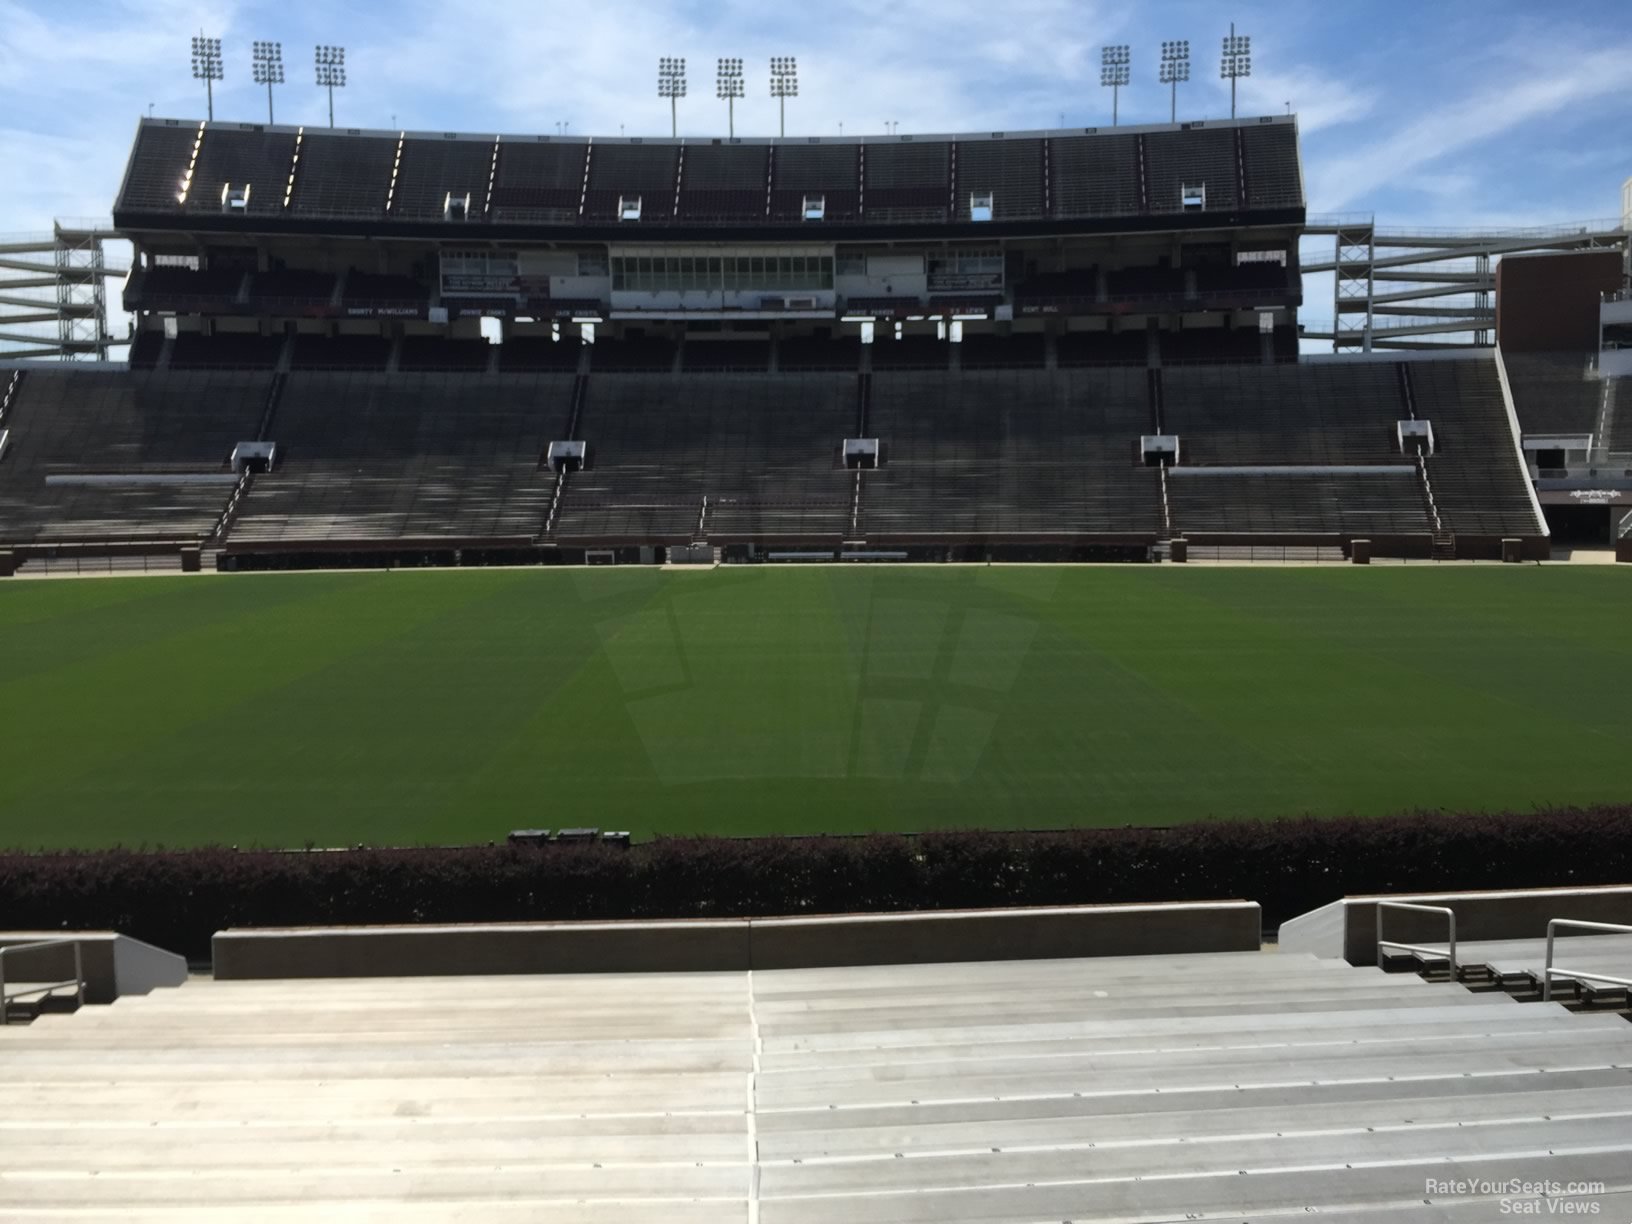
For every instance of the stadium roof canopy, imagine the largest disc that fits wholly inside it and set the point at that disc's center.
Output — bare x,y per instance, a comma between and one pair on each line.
198,176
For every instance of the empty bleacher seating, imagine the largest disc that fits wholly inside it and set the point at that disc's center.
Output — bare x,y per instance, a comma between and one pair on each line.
763,451
1555,393
1274,172
910,353
290,289
540,181
749,356
145,349
240,156
519,353
1077,287
1009,453
979,351
1010,171
147,428
225,350
340,352
1292,503
1211,344
201,291
1142,283
439,353
391,457
343,176
801,172
158,165
652,354
380,289
1095,176
629,172
1194,158
1284,414
1479,481
431,170
723,182
907,181
1091,348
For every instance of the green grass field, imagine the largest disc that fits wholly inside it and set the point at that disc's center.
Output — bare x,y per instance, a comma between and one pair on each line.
443,707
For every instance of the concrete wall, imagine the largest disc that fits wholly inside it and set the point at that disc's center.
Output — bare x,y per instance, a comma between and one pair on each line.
113,964
737,944
1348,928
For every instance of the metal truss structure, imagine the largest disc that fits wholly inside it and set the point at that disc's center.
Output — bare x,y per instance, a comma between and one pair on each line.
1428,288
53,293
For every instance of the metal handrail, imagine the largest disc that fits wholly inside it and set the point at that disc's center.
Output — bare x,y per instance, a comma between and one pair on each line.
1575,975
1449,949
77,982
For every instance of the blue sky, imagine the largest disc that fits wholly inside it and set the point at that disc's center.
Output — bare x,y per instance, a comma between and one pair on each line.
1490,113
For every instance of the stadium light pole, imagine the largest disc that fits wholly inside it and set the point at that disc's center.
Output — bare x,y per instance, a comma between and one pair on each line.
266,62
784,85
207,67
1114,72
728,87
671,84
331,72
1175,68
1236,62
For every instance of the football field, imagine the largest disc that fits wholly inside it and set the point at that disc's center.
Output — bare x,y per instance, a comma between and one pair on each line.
452,706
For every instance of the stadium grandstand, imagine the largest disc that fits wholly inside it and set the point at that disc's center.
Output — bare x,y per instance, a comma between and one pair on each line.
362,347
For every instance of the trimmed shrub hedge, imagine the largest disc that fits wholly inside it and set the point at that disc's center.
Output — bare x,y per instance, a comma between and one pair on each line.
178,899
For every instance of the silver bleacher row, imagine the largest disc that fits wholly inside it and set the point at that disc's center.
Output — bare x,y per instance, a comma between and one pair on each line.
1025,452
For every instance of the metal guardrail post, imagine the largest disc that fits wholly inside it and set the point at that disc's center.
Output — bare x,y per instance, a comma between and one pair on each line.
1549,972
78,982
1450,918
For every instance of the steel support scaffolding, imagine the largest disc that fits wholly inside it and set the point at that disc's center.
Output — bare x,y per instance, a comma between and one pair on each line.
1390,287
53,293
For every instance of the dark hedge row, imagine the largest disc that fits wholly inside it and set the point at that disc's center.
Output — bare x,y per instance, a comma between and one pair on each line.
178,899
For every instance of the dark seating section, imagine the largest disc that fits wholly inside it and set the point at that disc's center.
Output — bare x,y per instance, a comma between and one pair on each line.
1253,282
632,170
1073,284
909,352
166,287
1092,348
1555,393
648,354
1211,344
1009,453
541,181
1095,176
433,169
240,155
798,353
158,164
291,287
747,356
145,350
130,424
519,353
377,457
1023,350
1285,414
343,176
388,289
1134,284
1479,482
829,171
722,182
1197,158
340,353
1362,505
225,350
1274,175
437,353
1010,170
763,450
907,181
1620,418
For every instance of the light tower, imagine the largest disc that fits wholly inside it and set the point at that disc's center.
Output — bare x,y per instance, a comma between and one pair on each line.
331,72
671,84
1114,72
784,85
1236,61
1175,68
207,67
266,62
728,87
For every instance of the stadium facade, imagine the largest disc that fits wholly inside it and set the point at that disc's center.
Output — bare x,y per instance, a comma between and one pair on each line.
364,346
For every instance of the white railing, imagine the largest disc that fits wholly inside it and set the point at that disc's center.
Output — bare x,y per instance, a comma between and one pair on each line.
1448,952
77,981
1551,971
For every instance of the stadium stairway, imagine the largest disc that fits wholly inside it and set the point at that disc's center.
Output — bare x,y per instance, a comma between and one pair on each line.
1226,1085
